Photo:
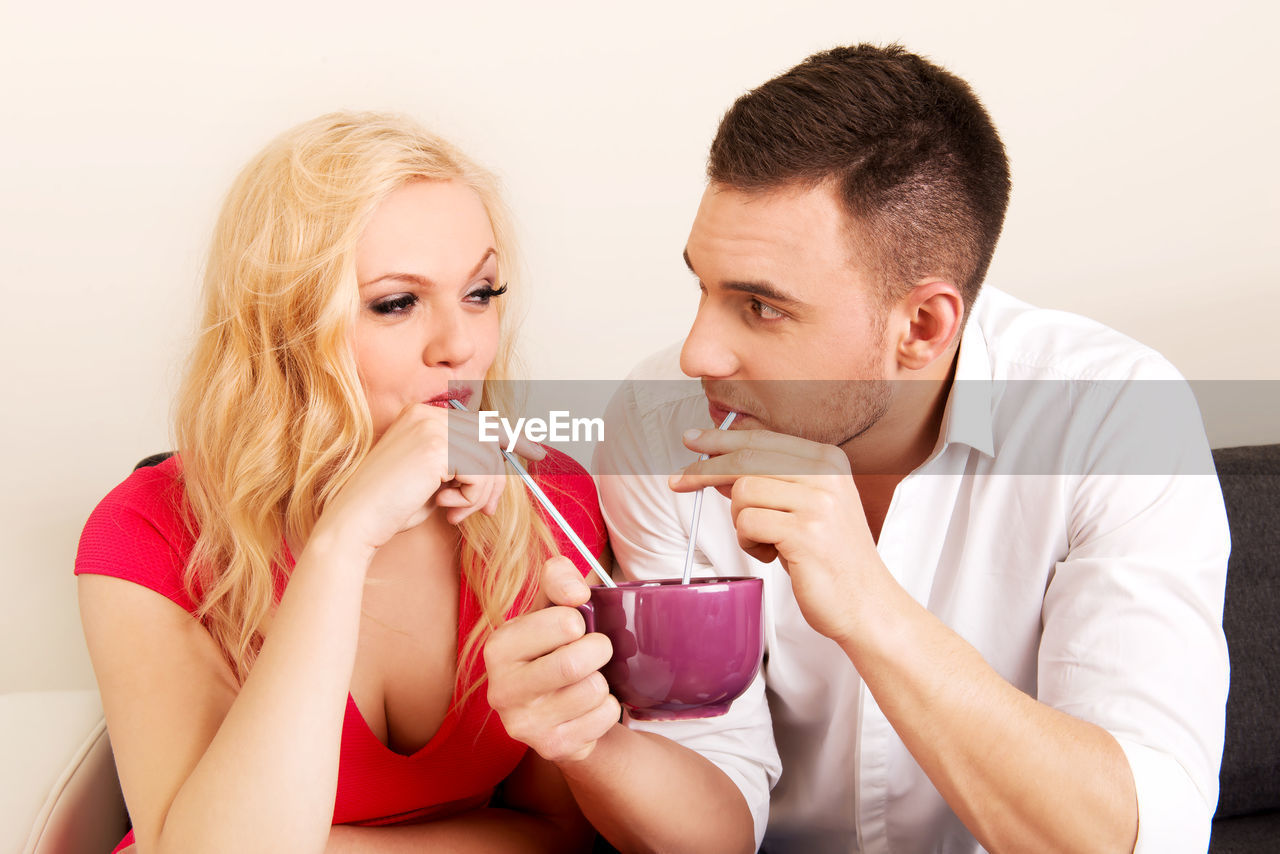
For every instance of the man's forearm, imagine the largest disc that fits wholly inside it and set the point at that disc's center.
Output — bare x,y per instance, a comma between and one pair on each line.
1021,775
644,792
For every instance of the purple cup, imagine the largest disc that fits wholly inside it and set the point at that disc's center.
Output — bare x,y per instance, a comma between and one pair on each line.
679,650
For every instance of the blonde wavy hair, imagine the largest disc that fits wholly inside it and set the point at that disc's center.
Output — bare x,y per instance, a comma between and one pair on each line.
271,418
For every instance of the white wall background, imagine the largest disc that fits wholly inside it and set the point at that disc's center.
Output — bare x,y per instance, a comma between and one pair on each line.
1142,137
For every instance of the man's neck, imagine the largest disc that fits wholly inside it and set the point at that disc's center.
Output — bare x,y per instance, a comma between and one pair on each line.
908,433
898,443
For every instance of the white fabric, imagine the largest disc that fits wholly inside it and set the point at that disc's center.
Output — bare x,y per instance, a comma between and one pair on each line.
1092,588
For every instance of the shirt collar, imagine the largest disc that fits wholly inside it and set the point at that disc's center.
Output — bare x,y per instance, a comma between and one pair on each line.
967,417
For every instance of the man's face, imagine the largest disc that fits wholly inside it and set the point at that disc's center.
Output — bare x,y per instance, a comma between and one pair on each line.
785,300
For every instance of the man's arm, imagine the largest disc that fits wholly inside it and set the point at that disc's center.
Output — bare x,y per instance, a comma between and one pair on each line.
699,785
1021,774
641,791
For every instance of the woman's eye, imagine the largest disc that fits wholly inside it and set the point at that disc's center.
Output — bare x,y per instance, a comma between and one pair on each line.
482,295
397,304
765,312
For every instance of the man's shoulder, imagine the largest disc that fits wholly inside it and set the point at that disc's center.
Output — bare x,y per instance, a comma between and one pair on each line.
647,414
657,389
1024,341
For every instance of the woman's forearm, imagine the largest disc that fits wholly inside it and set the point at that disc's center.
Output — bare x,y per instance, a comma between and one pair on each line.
267,780
479,831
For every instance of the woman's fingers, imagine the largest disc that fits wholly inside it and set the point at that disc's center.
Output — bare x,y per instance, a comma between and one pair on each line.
466,427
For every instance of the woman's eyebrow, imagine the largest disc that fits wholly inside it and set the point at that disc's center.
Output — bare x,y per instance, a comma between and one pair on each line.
423,281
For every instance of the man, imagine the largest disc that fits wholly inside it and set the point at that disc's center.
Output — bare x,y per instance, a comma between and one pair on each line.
995,558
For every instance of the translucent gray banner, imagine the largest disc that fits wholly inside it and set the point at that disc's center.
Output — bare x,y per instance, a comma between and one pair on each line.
1023,427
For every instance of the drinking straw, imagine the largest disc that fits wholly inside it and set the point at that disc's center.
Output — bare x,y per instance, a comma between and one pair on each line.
697,510
551,509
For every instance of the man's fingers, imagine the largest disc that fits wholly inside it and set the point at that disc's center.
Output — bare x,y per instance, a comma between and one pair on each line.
575,739
767,492
601,719
516,686
725,469
580,698
531,636
717,442
563,584
760,530
570,663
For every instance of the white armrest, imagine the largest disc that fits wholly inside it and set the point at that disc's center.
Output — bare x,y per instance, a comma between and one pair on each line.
60,792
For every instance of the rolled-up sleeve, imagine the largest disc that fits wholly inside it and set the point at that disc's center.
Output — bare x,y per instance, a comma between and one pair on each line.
1132,619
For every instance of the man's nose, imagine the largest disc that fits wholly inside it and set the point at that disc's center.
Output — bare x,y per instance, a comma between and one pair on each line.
450,340
708,350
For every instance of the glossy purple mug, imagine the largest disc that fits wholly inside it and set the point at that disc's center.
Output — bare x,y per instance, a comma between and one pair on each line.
679,650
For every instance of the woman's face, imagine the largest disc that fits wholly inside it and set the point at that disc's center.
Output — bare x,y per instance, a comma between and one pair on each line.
427,268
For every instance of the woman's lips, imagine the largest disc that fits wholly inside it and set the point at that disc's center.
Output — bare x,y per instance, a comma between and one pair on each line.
462,395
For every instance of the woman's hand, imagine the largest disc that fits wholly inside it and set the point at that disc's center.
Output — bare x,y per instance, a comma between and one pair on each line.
429,457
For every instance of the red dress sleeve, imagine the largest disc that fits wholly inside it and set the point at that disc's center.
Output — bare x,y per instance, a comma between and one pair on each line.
139,533
573,491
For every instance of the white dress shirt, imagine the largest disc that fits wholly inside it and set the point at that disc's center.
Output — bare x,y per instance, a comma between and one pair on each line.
1068,526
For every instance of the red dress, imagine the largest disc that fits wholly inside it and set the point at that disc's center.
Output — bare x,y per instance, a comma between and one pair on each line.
137,533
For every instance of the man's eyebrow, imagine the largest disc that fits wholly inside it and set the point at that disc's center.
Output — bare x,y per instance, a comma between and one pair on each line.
423,281
759,289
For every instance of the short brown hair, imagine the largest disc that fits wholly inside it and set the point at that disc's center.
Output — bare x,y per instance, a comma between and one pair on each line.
914,156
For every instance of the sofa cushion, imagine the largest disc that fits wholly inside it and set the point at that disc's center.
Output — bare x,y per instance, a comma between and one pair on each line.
1250,775
63,795
1246,834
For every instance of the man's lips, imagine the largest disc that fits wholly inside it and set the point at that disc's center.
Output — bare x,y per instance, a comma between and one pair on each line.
720,411
462,395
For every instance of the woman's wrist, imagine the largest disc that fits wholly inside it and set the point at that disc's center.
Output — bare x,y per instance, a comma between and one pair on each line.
332,542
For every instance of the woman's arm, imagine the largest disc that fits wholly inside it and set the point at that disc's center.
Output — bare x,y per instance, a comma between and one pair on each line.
205,767
209,766
535,813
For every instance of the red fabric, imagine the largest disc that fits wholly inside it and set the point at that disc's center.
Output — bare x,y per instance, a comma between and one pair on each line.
137,533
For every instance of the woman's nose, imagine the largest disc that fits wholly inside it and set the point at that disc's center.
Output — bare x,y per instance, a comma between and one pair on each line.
450,340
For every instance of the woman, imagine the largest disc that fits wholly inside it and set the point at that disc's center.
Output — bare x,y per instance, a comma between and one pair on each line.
342,540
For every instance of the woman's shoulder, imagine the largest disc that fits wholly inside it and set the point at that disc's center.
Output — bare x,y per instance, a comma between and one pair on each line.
153,489
141,532
571,488
562,473
556,464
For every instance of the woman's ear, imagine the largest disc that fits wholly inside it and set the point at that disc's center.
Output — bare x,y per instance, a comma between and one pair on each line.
929,319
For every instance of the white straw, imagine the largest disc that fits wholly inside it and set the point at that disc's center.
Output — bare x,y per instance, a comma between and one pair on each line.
697,511
551,509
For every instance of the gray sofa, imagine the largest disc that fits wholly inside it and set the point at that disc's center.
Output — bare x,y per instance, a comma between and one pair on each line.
1248,817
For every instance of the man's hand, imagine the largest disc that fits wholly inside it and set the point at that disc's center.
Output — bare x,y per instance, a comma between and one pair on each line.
544,672
795,500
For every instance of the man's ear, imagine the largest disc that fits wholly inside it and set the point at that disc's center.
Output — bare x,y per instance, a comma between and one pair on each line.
928,320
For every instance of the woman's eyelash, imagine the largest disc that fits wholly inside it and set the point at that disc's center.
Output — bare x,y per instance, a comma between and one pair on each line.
400,303
486,293
394,304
